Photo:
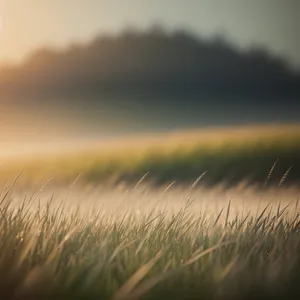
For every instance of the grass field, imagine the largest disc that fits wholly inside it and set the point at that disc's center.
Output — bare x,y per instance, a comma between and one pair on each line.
226,155
50,251
205,238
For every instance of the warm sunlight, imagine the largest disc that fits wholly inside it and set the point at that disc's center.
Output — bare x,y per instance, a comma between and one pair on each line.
149,149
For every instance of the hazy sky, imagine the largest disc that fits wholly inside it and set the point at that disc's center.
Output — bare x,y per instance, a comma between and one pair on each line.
29,24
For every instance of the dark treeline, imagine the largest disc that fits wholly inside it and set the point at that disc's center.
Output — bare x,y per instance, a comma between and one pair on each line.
152,61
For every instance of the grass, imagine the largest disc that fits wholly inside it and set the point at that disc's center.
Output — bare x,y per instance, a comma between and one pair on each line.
54,253
228,155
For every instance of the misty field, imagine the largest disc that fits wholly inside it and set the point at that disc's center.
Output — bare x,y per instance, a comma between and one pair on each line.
148,244
194,215
227,156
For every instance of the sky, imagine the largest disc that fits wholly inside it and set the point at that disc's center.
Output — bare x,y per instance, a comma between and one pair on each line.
26,25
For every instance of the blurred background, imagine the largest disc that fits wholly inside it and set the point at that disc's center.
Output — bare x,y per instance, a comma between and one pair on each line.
82,75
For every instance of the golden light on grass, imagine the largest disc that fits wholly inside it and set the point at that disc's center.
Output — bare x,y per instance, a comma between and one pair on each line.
134,156
75,248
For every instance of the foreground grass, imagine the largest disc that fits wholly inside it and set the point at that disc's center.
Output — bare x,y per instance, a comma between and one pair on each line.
228,155
54,253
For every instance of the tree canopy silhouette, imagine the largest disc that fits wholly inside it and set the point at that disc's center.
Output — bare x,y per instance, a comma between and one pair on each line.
152,61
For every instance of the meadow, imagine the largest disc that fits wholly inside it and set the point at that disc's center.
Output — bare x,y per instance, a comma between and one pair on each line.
227,155
53,250
205,236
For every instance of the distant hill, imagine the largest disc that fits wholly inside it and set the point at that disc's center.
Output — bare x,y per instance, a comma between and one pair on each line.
152,61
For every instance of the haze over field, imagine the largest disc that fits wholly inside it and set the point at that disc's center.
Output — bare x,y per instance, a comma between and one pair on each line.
149,149
99,71
118,85
110,69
